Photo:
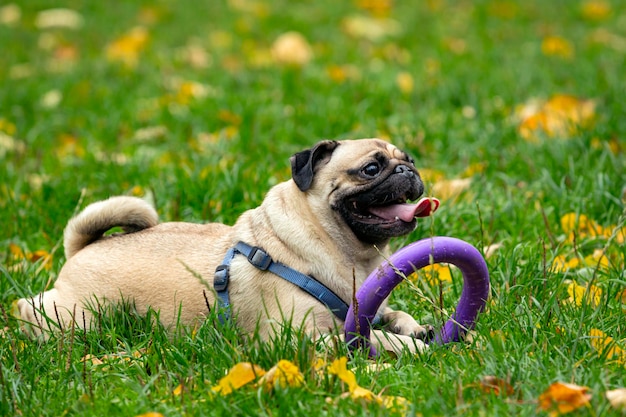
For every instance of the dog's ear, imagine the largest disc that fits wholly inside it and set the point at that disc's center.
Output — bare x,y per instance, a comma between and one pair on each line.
305,163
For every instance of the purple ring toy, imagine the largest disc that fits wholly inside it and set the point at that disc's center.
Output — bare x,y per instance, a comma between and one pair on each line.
417,255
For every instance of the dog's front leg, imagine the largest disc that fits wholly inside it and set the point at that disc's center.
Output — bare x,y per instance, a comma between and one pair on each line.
396,343
402,323
383,341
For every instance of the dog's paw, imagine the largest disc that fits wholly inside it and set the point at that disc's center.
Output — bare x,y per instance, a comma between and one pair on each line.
397,344
402,323
425,332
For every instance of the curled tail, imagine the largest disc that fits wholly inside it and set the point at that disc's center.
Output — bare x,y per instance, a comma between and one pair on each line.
130,213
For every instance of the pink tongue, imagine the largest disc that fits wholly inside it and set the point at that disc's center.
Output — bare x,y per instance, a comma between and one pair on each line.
407,212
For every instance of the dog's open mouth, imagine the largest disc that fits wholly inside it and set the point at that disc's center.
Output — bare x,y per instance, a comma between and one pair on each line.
398,211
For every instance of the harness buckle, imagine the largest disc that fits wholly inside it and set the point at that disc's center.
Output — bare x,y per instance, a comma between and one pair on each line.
259,258
220,282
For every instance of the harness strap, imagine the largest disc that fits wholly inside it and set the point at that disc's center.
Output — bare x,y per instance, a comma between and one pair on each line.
261,260
220,285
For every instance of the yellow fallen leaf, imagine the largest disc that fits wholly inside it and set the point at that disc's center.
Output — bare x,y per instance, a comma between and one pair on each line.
397,405
591,295
178,390
562,397
430,175
150,15
405,82
451,189
70,145
597,259
560,116
612,144
337,73
618,232
492,249
239,375
150,414
51,99
378,8
557,46
319,365
572,108
149,133
606,346
7,127
339,368
220,40
571,221
91,358
39,255
16,251
229,117
580,226
10,14
561,264
455,45
257,8
196,56
188,90
59,18
65,54
474,169
127,47
360,393
370,28
284,374
599,340
123,356
617,398
292,49
596,9
436,273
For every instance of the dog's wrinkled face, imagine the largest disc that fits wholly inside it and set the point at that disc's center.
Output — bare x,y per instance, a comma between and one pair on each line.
367,183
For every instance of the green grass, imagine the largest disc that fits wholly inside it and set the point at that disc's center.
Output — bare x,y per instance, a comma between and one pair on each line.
472,64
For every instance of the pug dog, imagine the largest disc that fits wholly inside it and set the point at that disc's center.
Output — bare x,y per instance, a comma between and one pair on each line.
330,224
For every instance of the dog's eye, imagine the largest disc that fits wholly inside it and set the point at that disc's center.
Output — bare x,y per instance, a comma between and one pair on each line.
371,170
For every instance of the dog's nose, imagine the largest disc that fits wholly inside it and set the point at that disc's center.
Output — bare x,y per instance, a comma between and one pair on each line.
403,169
